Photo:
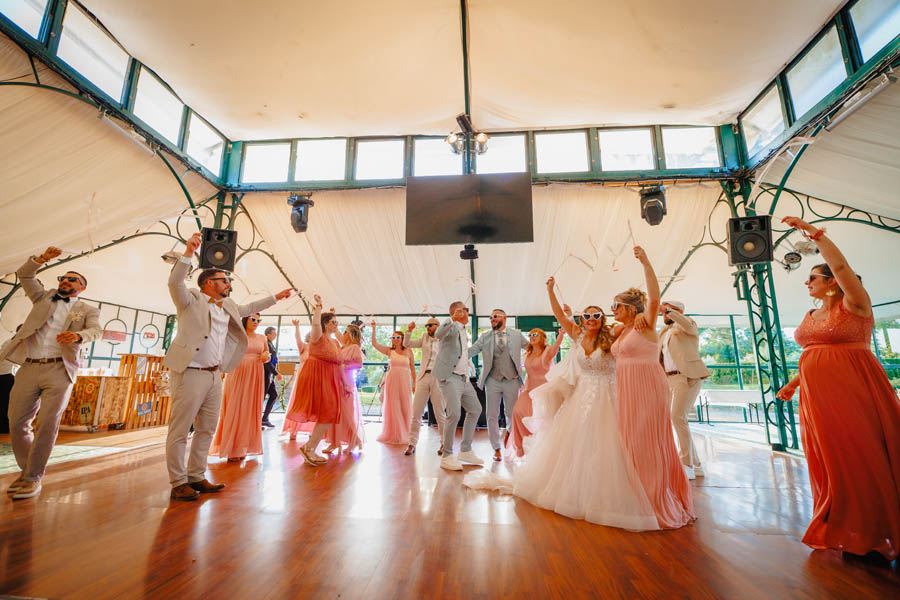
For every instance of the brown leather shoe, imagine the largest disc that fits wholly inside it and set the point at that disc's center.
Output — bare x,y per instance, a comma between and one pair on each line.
184,492
205,487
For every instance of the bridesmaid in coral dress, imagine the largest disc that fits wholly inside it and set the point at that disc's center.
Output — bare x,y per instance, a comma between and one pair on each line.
319,387
644,418
849,413
538,358
240,422
396,394
349,431
303,348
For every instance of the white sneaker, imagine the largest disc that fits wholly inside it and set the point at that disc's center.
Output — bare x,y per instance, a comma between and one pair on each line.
450,463
698,471
29,490
15,485
689,472
470,457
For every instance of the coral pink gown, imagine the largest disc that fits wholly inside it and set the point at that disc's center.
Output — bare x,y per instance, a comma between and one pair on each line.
239,432
349,430
317,393
396,398
851,435
536,367
646,428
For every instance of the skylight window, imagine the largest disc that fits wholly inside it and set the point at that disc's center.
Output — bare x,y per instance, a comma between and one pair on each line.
626,150
561,152
763,122
158,107
380,159
91,52
817,73
435,157
505,154
877,22
27,14
321,160
266,162
690,147
205,145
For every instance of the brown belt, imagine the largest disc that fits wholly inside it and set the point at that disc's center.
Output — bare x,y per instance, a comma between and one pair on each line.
673,372
215,368
44,361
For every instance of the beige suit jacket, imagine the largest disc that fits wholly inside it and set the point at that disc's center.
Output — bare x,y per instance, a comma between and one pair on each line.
194,323
83,319
419,343
684,345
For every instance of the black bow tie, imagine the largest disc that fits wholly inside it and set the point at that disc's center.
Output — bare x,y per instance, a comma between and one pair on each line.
58,297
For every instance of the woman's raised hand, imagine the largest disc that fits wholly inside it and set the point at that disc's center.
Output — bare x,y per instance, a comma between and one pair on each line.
798,223
640,254
318,301
295,322
550,283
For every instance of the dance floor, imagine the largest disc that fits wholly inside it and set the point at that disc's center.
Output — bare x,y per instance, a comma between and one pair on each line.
384,525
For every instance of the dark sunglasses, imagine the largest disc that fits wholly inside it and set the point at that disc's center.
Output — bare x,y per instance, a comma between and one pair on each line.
595,316
228,279
497,316
68,278
431,325
396,337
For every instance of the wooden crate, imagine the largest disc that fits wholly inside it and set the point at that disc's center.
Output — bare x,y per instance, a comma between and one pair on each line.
145,407
97,402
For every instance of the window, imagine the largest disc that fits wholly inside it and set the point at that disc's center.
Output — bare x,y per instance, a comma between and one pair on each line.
626,150
435,157
877,22
505,154
205,145
27,14
381,159
91,52
156,106
266,162
690,147
817,73
561,152
763,122
321,160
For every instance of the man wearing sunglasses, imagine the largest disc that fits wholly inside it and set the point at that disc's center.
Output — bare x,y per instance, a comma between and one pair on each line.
48,348
501,376
210,339
426,384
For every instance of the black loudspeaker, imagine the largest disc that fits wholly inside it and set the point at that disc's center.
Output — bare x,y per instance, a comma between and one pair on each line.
750,240
219,249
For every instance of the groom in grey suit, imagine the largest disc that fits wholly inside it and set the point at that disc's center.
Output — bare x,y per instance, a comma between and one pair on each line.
211,339
451,369
501,376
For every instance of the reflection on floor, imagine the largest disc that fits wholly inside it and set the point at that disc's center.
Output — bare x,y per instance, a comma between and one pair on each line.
383,525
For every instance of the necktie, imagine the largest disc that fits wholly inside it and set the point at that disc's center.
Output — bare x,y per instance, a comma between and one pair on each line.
58,297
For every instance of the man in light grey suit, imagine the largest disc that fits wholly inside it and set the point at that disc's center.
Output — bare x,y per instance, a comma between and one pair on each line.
426,384
451,369
48,348
501,376
210,339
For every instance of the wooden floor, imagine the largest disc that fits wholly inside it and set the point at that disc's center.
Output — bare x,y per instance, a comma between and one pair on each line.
383,525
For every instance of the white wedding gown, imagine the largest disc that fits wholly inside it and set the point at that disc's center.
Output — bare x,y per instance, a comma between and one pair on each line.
575,464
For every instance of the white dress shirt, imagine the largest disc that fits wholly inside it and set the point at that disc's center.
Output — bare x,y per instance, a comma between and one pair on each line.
462,367
213,350
668,362
42,343
433,342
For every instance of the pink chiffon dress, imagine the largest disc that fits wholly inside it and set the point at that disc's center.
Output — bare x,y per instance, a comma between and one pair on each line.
396,399
317,394
349,431
536,368
239,432
646,428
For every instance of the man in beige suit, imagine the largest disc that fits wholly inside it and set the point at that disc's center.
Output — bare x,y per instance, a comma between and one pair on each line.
210,339
426,384
679,354
48,348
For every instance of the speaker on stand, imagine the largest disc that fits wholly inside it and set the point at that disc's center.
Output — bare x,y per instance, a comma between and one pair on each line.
218,249
750,240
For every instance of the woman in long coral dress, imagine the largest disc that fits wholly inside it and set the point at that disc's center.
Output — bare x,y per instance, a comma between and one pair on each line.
538,358
349,431
644,417
399,384
319,386
292,427
239,432
849,413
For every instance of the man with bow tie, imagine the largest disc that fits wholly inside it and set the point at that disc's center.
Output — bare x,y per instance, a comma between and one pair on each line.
210,339
48,348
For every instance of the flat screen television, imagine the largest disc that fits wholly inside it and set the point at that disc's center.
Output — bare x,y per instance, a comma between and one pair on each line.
469,209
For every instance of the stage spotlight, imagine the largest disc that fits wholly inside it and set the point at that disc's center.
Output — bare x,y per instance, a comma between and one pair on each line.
468,252
300,211
457,142
653,204
481,140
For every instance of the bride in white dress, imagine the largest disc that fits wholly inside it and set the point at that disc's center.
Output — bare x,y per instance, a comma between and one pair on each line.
576,464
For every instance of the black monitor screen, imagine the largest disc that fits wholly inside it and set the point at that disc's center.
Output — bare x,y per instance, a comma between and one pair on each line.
469,209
